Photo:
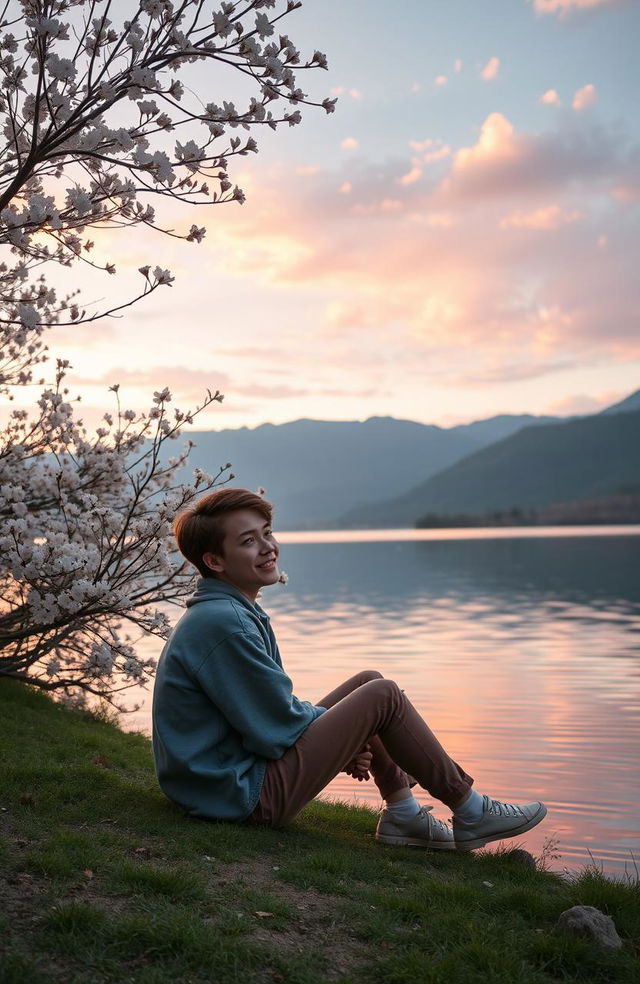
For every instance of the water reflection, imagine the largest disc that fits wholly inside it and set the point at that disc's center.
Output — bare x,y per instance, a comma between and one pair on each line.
522,654
510,571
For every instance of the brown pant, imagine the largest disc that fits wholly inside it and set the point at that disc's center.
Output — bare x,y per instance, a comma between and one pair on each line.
366,710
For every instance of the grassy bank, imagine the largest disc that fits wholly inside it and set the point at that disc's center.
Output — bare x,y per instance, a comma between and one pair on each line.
103,880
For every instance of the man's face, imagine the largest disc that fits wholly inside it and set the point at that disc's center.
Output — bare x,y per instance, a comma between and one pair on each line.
249,558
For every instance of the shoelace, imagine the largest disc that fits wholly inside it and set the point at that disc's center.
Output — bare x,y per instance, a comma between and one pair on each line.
504,809
437,826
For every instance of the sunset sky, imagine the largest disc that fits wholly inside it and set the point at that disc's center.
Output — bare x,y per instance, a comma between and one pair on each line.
459,239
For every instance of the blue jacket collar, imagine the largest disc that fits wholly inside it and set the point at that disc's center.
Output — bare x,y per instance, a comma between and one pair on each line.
211,588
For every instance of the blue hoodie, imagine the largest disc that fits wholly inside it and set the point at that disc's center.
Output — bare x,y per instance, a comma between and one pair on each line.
222,705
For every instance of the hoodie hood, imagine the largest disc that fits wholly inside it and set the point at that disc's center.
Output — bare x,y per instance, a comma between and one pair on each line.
212,589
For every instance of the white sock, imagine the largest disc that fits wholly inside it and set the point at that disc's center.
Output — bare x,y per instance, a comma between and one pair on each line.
404,809
471,810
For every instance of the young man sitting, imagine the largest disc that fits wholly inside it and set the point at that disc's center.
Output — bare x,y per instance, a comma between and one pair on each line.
232,742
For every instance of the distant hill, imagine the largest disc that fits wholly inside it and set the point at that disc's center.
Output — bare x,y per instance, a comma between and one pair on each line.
315,469
585,458
484,432
628,405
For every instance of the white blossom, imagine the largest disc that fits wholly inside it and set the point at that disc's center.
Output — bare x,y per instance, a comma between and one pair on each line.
264,27
222,24
62,69
148,107
87,561
154,8
28,315
79,200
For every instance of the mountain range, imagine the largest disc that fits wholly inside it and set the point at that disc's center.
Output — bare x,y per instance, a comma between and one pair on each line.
591,458
389,472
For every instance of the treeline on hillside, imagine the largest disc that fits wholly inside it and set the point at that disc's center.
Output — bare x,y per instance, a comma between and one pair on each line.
622,508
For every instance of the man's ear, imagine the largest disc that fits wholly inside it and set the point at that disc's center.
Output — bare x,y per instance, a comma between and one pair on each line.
214,562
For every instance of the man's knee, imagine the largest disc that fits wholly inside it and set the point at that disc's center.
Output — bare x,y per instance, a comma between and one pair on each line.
384,689
368,675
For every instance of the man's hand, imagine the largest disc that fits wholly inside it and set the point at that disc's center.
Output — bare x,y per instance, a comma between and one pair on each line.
360,764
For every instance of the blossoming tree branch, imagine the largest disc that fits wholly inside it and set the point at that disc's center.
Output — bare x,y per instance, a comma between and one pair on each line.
101,120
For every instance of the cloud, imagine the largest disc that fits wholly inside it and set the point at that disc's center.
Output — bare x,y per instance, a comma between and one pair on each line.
411,176
384,207
70,336
491,69
547,217
489,258
341,90
349,143
437,155
563,7
584,97
550,98
497,142
505,163
497,370
429,151
440,80
581,404
184,383
457,65
345,188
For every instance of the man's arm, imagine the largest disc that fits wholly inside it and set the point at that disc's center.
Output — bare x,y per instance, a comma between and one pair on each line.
255,695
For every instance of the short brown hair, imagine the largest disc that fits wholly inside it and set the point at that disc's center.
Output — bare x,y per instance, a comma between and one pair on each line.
199,530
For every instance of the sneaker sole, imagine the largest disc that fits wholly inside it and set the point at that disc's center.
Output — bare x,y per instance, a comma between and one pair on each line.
415,842
471,845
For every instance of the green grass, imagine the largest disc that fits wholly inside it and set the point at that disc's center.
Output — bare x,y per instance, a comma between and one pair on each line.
103,880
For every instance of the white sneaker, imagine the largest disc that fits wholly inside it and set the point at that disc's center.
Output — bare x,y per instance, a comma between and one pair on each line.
498,821
423,830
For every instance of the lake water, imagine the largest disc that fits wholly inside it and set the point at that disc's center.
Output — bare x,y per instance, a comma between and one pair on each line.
520,648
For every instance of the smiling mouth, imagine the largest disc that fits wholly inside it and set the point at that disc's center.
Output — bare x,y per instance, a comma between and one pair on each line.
268,564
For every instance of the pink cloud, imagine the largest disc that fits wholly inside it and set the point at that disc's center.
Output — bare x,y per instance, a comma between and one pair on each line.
386,206
441,267
584,97
429,151
566,6
437,155
491,69
583,404
497,370
550,98
504,162
349,143
547,217
185,384
341,90
411,176
497,142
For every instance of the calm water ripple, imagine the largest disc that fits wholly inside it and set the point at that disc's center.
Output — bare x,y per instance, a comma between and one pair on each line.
521,652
